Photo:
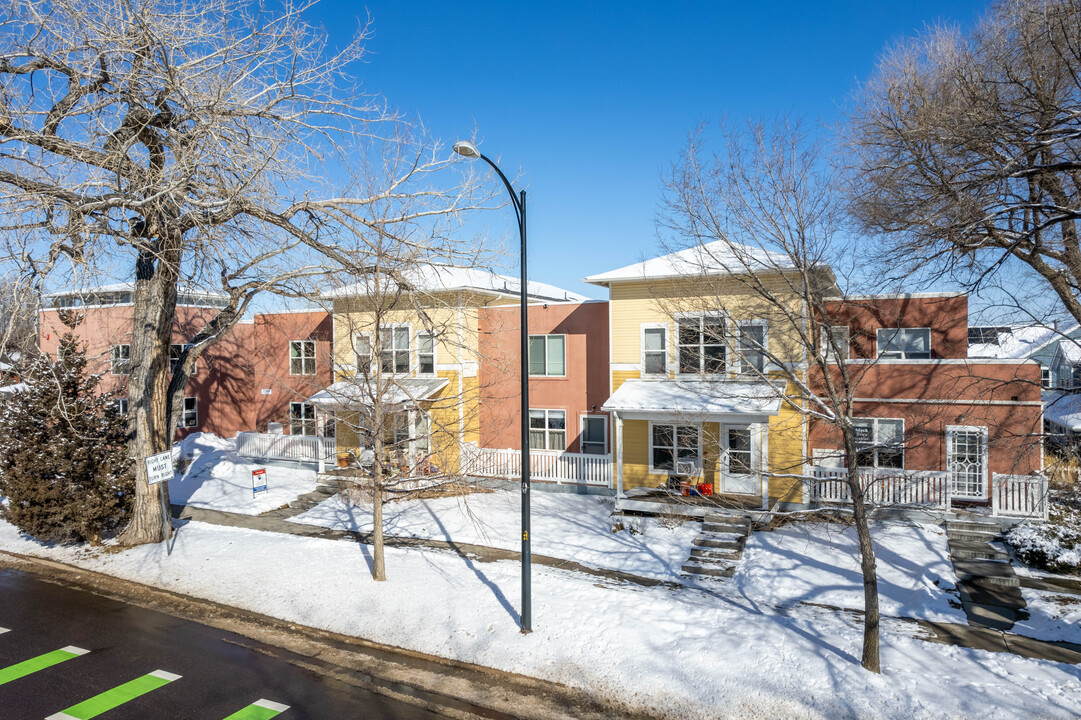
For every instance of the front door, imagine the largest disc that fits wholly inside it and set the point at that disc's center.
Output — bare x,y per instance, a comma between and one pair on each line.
740,469
966,461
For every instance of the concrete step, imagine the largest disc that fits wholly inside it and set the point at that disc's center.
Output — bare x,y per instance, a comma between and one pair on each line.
990,616
972,536
326,490
986,572
731,528
999,595
727,519
975,550
707,554
990,526
708,570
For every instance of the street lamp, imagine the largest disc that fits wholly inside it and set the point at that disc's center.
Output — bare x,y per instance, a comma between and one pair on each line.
469,150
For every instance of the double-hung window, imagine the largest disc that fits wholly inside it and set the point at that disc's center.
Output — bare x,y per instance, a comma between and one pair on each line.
880,443
120,360
834,340
189,416
302,357
394,353
1045,377
121,406
174,359
547,429
548,355
362,348
302,419
752,346
675,449
425,354
904,343
594,439
702,346
654,350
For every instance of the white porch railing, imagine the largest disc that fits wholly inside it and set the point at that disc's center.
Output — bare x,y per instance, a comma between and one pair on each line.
300,448
1019,496
930,490
543,465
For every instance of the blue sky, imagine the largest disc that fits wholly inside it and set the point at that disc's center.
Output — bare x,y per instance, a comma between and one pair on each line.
591,101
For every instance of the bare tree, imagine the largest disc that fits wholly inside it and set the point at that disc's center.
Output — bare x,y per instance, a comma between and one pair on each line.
760,226
196,142
967,149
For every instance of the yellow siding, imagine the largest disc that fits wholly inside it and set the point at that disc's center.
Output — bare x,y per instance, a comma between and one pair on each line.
621,376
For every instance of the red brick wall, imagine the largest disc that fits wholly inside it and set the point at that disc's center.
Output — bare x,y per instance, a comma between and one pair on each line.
946,316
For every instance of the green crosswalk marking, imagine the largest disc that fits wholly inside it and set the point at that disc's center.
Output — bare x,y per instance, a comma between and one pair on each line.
259,710
26,667
117,696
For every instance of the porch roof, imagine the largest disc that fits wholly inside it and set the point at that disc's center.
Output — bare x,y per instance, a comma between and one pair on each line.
1063,409
700,399
356,394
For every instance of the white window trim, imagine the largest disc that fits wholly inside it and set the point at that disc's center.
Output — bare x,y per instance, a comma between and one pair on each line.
357,370
827,347
122,406
182,346
435,353
112,362
730,364
954,429
302,358
377,353
930,350
302,420
182,423
582,429
548,430
667,347
876,446
675,461
737,336
547,374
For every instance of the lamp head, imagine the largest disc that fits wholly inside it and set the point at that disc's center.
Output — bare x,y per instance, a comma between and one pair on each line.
466,149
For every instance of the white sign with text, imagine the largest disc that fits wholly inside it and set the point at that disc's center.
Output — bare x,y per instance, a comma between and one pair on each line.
159,468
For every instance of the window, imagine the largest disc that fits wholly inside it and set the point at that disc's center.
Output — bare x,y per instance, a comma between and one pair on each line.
654,351
362,347
752,346
425,354
739,451
1045,377
394,354
302,357
548,355
189,416
174,358
120,360
121,406
701,344
674,449
547,429
904,343
835,337
594,439
880,443
987,335
1074,375
302,419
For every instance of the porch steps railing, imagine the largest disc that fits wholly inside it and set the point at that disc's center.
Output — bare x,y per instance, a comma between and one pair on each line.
299,448
551,465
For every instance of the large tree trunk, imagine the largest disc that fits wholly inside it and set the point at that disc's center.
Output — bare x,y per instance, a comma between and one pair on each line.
155,310
870,660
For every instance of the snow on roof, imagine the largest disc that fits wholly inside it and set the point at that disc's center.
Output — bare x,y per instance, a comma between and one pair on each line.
1063,409
716,258
354,394
451,278
695,398
1019,341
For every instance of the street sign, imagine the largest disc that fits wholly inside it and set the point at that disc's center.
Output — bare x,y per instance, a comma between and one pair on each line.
258,481
159,468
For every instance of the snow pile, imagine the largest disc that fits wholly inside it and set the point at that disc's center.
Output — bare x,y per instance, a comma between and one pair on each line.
1054,546
819,563
692,653
1051,616
218,480
571,527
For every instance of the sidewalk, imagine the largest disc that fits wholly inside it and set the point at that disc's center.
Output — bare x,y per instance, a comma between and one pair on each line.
955,634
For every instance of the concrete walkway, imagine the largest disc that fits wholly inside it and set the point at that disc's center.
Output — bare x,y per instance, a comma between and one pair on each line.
969,636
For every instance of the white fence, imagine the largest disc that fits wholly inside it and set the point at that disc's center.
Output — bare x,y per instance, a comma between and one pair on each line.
543,465
300,448
930,490
1019,496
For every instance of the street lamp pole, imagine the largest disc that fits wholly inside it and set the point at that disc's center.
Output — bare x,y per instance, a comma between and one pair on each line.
469,150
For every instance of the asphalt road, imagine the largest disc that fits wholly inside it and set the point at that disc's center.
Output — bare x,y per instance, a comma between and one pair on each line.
221,674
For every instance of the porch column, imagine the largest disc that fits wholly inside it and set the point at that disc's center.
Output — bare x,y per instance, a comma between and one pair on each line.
619,454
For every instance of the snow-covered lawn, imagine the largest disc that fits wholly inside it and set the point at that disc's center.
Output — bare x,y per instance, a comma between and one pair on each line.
570,527
218,480
705,652
817,562
1052,616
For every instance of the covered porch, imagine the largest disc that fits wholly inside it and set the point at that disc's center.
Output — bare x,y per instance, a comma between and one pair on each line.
708,438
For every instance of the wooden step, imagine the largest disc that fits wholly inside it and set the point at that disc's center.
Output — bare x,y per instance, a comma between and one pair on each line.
721,527
715,554
730,542
708,570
